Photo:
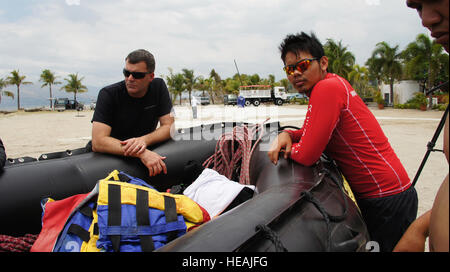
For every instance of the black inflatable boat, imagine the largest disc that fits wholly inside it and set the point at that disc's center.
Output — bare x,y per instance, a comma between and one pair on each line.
297,208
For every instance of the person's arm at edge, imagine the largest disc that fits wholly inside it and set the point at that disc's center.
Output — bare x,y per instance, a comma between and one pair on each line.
413,240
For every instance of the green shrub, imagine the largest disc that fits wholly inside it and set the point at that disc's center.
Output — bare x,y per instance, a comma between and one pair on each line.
300,101
440,107
419,99
414,103
379,98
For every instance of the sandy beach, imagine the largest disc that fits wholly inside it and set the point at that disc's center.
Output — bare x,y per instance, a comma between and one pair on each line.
409,131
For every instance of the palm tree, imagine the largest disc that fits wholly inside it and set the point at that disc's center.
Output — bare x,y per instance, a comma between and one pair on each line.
213,74
74,85
359,79
17,79
175,83
231,86
3,84
209,85
49,79
255,79
189,81
374,68
202,85
388,60
169,82
271,79
215,85
340,60
285,83
424,59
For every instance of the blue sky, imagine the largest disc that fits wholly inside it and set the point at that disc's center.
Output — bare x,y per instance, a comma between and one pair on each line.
93,37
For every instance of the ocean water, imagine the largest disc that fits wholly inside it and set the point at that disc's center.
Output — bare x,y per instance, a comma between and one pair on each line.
7,104
33,96
32,102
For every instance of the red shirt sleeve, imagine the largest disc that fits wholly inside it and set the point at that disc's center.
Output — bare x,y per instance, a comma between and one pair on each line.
295,134
325,105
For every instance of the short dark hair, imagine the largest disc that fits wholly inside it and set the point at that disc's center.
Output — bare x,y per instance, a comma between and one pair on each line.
142,55
301,43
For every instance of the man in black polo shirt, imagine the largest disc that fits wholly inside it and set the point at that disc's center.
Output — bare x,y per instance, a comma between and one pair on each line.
127,113
2,155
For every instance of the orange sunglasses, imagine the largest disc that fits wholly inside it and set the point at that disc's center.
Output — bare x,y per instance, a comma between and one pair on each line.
301,66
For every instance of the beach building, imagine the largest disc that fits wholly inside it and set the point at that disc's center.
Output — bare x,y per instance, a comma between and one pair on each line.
404,90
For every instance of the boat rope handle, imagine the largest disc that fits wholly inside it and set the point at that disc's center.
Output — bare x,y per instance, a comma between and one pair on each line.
337,218
272,236
308,196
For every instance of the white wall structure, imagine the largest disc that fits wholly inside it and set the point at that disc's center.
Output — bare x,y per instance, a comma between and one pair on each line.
403,90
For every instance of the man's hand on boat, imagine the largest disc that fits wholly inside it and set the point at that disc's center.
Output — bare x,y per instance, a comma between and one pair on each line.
282,143
137,147
134,146
153,161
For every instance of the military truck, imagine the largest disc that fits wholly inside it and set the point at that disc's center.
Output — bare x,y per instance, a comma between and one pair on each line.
257,94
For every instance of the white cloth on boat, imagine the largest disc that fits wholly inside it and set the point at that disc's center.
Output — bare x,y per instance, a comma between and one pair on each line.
213,191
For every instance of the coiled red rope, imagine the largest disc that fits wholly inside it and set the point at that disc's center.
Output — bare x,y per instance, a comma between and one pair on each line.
17,244
234,149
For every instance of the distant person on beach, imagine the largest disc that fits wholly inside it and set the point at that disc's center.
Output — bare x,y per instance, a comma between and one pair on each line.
435,222
127,113
194,104
340,124
2,155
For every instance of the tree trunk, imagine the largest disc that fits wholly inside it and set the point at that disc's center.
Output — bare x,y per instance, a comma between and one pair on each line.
190,97
18,97
391,92
51,104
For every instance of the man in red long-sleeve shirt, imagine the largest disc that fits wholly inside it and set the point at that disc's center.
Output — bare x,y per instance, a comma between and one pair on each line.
340,124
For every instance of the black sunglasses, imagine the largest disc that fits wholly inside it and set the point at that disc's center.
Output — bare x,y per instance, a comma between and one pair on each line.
136,75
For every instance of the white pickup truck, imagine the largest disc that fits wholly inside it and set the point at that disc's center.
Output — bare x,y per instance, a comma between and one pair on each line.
256,94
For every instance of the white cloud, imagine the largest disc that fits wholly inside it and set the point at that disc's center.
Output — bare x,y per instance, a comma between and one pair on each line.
373,2
94,38
73,2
